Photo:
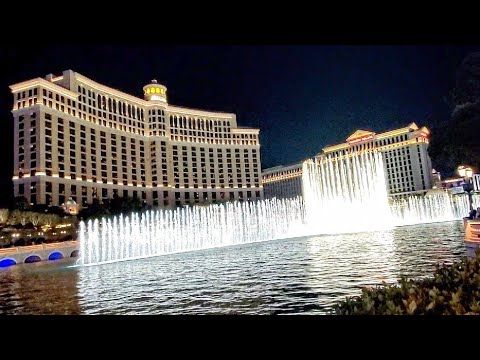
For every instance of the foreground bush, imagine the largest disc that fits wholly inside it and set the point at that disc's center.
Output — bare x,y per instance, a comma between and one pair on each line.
453,290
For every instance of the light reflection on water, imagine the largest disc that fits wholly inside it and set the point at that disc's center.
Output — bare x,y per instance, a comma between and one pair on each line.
304,275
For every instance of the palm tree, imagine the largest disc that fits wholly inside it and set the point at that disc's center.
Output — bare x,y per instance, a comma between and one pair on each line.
14,217
24,218
35,218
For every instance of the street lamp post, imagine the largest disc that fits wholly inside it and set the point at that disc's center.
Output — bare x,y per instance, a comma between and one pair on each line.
466,172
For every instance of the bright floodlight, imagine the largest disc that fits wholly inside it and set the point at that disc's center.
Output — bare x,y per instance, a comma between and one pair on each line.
465,171
469,172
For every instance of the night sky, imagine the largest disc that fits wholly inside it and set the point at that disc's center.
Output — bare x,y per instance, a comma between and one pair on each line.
301,97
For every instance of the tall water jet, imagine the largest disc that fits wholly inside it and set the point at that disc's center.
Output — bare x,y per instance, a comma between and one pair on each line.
159,232
430,208
346,194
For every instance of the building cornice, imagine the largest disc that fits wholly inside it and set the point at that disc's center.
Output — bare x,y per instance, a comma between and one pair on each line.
171,108
336,147
25,85
297,166
245,131
117,93
383,135
421,140
198,112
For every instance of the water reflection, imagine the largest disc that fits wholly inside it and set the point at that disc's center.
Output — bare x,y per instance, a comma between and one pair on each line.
356,260
304,275
417,257
40,288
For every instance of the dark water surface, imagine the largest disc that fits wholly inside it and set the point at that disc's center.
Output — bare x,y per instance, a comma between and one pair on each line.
297,276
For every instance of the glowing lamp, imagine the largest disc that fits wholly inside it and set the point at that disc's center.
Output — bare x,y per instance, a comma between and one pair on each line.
465,171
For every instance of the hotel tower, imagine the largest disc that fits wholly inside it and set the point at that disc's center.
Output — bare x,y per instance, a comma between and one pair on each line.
76,138
408,168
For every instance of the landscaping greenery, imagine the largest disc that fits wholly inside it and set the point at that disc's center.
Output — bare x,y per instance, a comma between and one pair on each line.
19,219
19,228
453,290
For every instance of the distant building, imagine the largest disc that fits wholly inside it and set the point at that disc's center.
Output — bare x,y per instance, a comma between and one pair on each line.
407,163
282,181
76,138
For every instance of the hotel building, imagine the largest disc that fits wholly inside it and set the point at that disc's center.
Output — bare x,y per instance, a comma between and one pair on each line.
282,181
406,160
75,138
408,168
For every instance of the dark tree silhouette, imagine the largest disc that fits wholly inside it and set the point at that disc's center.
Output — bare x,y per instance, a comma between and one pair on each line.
20,203
114,206
467,87
458,141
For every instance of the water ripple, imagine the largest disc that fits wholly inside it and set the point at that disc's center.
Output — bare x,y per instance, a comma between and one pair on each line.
294,276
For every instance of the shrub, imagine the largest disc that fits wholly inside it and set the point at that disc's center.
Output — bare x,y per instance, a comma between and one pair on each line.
453,290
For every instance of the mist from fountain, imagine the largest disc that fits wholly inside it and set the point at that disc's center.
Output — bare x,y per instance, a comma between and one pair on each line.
344,195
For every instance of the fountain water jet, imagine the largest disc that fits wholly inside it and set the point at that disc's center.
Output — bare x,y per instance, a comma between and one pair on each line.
345,195
191,228
340,195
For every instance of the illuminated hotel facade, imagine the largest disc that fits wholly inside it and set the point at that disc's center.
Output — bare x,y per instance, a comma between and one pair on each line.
75,138
282,181
408,168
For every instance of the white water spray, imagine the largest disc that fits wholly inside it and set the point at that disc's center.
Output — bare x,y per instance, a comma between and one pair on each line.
346,195
340,196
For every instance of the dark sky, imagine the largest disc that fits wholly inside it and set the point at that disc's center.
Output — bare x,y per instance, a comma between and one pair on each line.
301,97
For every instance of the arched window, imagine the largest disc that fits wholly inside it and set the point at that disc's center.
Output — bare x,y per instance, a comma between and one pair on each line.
7,262
32,258
56,255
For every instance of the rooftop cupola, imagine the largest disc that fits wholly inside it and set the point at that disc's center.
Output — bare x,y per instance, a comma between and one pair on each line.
155,92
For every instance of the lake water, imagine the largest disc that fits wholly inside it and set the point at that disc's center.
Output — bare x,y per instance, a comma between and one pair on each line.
293,276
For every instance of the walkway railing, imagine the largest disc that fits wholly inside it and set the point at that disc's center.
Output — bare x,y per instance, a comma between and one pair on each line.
30,248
